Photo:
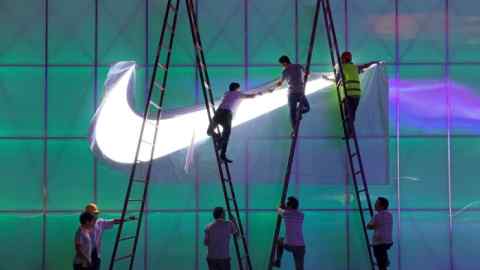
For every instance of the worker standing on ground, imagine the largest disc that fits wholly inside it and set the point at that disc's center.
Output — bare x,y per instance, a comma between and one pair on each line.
293,233
294,75
217,239
351,95
224,115
97,232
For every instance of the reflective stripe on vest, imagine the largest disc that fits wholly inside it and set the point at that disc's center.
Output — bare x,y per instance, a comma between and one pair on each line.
352,79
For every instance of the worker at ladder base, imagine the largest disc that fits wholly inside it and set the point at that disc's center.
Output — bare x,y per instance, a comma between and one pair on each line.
224,115
381,224
294,243
217,239
294,75
97,231
351,95
83,243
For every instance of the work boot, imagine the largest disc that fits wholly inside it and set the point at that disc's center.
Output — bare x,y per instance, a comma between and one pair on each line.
276,263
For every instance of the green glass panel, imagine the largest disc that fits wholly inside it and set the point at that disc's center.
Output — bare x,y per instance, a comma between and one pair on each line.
371,30
172,187
22,237
121,31
321,184
70,101
271,31
22,24
22,173
423,173
306,12
463,30
21,110
71,32
464,156
70,174
464,240
266,169
421,31
424,240
112,184
60,235
222,46
183,51
171,241
180,89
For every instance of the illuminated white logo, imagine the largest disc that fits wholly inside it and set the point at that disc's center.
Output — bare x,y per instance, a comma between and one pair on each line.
116,126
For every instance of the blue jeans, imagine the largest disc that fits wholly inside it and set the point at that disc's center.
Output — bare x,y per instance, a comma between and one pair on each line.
293,100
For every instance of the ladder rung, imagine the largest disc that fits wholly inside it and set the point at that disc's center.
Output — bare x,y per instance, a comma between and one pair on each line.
362,190
147,142
139,180
354,154
155,105
128,238
357,172
123,257
135,200
159,86
162,66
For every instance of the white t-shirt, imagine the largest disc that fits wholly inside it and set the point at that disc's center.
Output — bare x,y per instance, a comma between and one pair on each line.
100,225
231,100
217,238
82,238
383,231
293,226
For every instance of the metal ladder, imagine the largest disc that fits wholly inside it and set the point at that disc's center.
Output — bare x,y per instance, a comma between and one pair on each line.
125,239
240,241
293,144
169,25
353,150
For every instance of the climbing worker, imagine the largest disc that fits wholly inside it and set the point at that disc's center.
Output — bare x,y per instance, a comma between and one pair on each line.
294,242
381,224
217,240
294,75
97,232
351,96
224,115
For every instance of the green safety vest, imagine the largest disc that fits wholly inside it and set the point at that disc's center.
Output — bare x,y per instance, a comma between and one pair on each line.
352,80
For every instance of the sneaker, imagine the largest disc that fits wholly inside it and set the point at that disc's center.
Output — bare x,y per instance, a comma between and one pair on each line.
276,264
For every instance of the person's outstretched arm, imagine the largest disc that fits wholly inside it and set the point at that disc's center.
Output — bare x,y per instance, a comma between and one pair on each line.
362,67
252,95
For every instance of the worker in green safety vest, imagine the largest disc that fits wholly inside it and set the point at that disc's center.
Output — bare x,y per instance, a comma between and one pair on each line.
351,95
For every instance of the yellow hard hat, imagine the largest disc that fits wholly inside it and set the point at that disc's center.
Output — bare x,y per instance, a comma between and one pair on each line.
92,208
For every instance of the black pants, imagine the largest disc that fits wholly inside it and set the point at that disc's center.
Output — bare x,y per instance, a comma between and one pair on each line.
223,118
298,253
381,255
80,267
350,108
294,100
95,261
218,264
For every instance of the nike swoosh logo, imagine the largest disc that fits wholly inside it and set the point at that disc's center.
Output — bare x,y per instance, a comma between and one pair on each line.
115,127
